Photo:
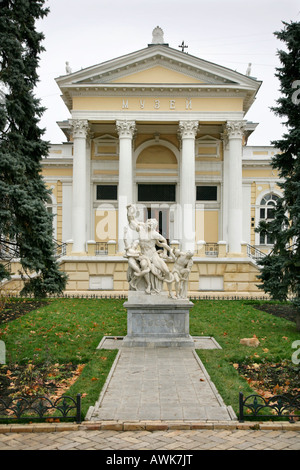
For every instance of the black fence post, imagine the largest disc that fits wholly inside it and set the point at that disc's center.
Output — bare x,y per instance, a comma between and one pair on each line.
241,407
78,408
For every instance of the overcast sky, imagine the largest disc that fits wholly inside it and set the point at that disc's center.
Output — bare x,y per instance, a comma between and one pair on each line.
231,33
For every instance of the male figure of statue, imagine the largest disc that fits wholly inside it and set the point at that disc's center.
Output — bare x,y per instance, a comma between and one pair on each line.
149,238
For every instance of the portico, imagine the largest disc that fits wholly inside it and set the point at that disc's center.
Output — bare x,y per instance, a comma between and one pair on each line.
182,175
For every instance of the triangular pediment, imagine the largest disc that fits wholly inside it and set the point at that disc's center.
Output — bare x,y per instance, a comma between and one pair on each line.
158,74
159,64
159,70
156,66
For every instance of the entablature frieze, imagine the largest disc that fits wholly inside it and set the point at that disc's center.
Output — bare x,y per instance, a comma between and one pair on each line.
156,92
62,162
217,117
174,90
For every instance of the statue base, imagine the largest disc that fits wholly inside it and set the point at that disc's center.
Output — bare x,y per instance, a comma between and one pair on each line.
157,321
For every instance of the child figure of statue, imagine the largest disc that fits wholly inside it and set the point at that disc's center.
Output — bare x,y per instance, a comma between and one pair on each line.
138,265
181,270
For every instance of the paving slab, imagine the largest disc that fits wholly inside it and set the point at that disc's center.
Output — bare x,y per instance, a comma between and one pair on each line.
115,441
200,342
159,384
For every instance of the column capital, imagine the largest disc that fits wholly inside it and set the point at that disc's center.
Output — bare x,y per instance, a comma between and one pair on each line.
126,128
80,127
188,129
234,129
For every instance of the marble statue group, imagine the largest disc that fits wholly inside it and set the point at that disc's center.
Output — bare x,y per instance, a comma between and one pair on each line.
148,258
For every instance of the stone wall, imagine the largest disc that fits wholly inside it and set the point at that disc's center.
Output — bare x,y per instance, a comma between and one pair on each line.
91,275
220,276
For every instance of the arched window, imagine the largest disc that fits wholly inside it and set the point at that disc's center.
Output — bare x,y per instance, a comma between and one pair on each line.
51,207
266,213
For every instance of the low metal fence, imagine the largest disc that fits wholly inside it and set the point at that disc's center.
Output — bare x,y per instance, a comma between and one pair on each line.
66,295
281,406
38,408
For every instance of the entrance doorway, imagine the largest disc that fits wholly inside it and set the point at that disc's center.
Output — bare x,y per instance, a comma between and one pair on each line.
157,199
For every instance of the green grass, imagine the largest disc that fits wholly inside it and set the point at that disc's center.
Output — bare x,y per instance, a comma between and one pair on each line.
69,330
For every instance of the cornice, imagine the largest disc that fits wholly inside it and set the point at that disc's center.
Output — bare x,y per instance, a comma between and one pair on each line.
61,162
133,89
266,163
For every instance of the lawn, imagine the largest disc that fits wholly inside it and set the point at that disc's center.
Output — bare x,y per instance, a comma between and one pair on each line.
51,346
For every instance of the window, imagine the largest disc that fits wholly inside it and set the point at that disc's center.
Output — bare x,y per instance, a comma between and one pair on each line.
106,147
156,192
207,147
107,192
206,193
101,283
266,213
51,208
211,283
49,205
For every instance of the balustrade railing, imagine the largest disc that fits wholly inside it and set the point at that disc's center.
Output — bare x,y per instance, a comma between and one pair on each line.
254,252
101,248
211,249
61,248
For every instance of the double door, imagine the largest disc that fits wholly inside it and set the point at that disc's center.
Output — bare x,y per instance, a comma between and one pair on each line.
162,215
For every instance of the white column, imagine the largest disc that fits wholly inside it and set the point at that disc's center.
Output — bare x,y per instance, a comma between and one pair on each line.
225,186
235,131
79,217
188,131
126,131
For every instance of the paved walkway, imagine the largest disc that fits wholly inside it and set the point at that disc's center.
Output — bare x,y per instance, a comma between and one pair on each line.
160,384
170,440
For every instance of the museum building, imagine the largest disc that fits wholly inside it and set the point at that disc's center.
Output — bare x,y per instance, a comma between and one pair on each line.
167,132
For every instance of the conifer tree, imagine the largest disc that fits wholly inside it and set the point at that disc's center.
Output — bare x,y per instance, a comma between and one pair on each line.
280,269
25,224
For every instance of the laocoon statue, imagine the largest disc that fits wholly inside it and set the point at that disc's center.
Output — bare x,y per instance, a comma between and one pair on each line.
148,256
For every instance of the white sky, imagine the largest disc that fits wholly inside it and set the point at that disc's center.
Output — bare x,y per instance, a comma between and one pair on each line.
231,33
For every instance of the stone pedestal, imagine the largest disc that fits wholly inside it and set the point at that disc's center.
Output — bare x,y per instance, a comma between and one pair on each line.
157,321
